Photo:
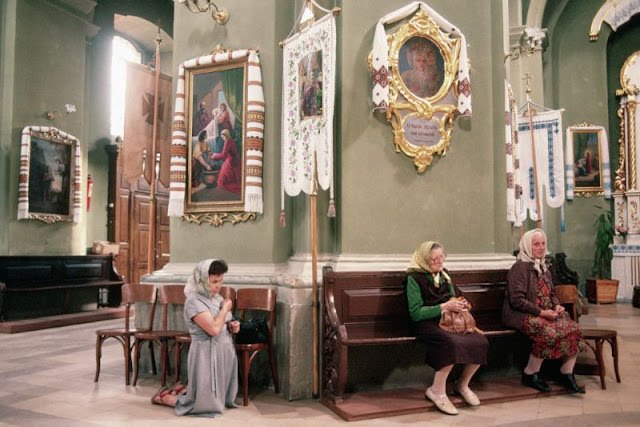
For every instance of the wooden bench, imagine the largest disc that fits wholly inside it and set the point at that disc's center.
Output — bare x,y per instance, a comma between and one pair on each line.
370,308
55,278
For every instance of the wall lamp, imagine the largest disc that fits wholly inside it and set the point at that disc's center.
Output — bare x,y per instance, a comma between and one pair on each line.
221,16
68,109
531,39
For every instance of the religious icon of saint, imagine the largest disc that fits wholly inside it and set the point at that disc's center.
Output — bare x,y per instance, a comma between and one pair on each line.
421,71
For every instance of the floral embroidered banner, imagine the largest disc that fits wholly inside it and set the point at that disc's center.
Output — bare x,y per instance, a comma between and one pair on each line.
307,117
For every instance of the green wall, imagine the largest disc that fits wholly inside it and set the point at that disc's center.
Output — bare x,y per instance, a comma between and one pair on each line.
48,72
386,206
576,80
259,25
383,205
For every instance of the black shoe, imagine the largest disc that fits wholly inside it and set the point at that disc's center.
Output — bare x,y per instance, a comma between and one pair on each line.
535,381
568,381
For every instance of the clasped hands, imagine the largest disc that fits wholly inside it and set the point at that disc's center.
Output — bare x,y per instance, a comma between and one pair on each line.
456,305
552,314
233,325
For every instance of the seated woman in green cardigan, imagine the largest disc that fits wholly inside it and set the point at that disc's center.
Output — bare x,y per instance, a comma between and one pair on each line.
429,293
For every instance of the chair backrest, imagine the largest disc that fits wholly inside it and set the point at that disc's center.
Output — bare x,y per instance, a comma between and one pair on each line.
229,293
568,294
263,299
169,295
133,293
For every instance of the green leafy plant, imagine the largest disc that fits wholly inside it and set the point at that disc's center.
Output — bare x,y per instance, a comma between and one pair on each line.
604,238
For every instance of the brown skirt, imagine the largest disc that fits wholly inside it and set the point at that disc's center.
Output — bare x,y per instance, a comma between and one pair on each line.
444,348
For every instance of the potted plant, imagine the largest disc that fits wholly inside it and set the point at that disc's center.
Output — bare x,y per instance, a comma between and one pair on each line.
601,288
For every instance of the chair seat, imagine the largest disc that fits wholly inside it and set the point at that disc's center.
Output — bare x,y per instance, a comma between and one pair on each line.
184,338
120,331
150,335
249,347
598,333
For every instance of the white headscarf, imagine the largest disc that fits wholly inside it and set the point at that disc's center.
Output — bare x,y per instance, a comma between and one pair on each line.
199,280
525,254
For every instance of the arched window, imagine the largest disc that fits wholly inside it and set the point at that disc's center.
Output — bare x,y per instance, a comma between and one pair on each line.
122,51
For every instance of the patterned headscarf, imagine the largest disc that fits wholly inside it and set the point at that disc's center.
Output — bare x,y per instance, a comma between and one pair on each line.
199,280
420,259
525,254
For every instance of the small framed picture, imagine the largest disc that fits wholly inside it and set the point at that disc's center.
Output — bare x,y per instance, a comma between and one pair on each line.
49,176
587,160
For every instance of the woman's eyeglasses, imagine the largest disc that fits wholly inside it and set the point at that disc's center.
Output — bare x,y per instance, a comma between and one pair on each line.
438,258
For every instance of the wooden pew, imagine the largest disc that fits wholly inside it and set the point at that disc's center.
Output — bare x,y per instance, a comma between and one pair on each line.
370,308
55,278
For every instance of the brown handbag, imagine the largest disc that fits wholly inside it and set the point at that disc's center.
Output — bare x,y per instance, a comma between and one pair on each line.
458,322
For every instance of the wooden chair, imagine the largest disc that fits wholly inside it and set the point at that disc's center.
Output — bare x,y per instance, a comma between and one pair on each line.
258,299
568,296
131,294
184,340
168,294
594,338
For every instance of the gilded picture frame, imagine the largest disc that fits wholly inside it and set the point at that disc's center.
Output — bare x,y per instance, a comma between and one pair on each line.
587,160
48,175
423,61
215,97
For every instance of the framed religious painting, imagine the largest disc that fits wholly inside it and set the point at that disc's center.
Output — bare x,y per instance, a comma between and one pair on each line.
424,76
216,168
49,181
587,142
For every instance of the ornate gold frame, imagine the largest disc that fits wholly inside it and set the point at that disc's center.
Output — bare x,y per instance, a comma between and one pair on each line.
213,212
574,132
627,112
424,115
629,87
50,181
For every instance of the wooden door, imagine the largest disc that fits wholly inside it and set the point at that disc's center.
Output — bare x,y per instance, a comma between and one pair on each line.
162,225
134,222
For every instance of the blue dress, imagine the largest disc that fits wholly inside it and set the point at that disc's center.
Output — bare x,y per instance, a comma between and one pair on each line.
212,363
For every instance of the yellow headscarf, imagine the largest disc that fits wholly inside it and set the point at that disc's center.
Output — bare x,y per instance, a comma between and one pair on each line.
420,258
420,261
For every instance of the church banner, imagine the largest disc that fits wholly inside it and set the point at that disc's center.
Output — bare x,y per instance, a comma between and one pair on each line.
307,117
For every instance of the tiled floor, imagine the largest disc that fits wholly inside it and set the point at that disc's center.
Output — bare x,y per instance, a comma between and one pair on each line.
47,380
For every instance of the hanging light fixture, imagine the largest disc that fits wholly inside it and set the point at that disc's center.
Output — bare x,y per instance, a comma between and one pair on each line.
221,16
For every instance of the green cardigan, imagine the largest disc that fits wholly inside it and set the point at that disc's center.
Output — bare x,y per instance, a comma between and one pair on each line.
417,310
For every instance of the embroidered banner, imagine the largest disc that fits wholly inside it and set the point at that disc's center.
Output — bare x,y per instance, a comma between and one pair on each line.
254,132
514,189
307,117
548,169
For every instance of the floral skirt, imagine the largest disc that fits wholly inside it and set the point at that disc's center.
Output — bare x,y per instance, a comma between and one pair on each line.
553,339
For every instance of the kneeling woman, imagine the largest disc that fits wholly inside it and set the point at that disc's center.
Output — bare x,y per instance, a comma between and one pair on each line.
212,362
429,293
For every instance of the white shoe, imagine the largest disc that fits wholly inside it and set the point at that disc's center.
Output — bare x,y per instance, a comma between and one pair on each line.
442,402
469,396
